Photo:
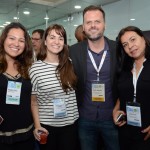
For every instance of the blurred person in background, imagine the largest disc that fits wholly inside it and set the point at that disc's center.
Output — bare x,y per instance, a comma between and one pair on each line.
36,41
79,34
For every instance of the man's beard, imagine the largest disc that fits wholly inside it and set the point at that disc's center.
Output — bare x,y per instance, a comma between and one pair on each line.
94,38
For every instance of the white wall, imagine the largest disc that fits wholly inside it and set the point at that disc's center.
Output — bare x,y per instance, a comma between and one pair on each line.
118,15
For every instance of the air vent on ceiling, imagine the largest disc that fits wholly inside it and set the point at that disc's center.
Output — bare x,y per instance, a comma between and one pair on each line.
48,2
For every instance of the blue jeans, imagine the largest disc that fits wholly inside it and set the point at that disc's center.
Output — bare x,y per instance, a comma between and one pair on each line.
89,132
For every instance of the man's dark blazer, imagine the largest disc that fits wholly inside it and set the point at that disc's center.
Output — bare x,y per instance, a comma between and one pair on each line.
78,54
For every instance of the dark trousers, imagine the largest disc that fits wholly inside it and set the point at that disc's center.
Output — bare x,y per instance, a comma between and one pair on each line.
131,141
22,145
61,138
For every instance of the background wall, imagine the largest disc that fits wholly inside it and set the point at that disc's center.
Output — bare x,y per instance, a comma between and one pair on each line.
118,15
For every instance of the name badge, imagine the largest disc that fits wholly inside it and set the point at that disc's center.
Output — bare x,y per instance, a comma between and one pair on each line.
13,93
133,114
59,108
98,91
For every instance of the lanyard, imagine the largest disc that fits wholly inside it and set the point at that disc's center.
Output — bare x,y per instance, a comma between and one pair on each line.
101,62
135,78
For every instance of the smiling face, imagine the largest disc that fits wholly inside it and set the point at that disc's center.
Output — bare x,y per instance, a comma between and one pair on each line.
14,43
133,44
94,24
54,43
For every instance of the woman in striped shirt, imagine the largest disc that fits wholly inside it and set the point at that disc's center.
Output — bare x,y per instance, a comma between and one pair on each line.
54,105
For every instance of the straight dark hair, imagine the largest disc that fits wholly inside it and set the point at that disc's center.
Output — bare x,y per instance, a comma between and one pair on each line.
125,61
40,31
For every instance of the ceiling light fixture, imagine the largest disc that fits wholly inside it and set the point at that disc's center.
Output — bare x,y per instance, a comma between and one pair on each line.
16,18
132,19
26,11
7,22
46,17
77,7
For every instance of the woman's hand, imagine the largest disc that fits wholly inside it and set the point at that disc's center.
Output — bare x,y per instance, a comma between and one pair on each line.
37,134
146,130
116,113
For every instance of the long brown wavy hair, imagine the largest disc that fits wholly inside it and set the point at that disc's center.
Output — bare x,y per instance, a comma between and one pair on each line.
64,70
24,60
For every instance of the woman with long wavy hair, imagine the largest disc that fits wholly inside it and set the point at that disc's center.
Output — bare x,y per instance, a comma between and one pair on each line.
16,126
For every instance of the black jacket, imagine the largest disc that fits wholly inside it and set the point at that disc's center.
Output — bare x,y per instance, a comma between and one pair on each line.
78,54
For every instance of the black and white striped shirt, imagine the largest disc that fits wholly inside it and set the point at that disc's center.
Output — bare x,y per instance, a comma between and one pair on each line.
46,87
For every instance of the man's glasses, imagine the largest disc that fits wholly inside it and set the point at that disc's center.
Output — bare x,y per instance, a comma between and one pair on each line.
35,39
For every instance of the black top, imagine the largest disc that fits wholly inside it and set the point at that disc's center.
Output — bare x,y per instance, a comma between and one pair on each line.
16,117
126,93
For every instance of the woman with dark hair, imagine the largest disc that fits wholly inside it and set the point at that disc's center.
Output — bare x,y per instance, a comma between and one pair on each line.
16,124
132,112
54,105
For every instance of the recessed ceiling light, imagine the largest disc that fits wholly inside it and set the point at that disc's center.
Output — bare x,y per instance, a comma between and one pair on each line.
77,7
75,25
7,22
132,19
46,18
16,18
1,26
26,11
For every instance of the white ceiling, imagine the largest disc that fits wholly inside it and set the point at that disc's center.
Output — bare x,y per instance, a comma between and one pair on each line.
118,14
56,9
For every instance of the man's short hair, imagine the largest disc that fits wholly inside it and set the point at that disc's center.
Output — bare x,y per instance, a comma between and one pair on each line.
93,7
40,31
